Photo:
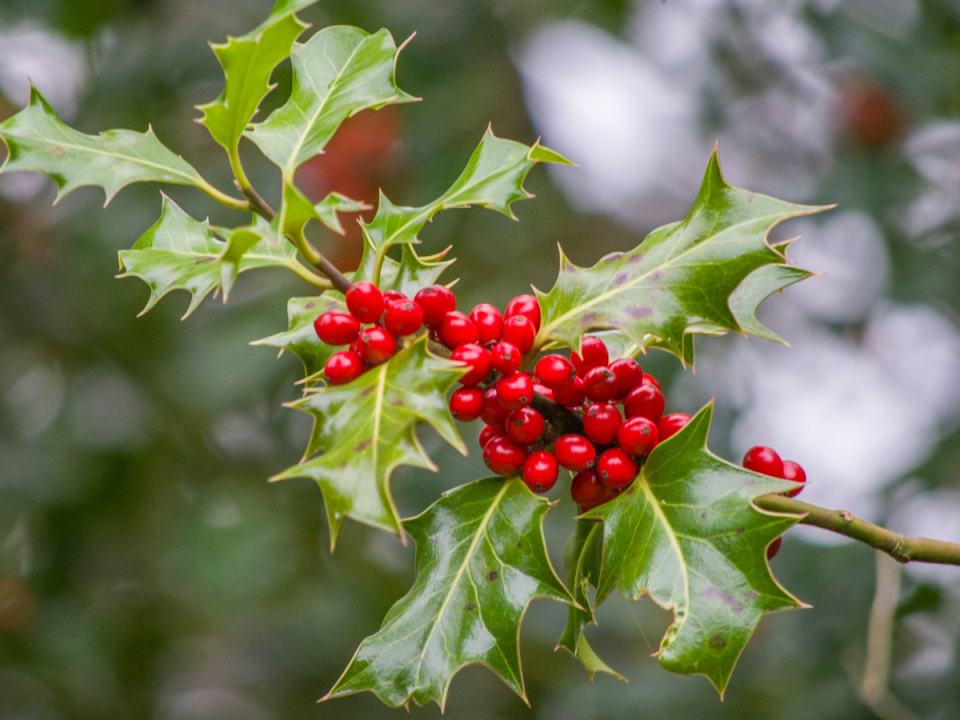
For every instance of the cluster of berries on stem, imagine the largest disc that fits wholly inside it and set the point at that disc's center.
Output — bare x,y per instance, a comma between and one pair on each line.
766,461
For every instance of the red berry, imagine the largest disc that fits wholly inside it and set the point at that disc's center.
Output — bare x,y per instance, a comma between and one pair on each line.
794,473
645,401
763,460
466,403
650,380
555,371
572,395
488,433
456,330
670,425
390,296
503,456
587,490
524,426
494,413
527,306
540,471
638,435
543,390
489,323
520,332
575,452
593,353
600,384
435,303
343,367
376,345
515,391
616,469
505,358
477,358
365,302
403,317
337,328
601,422
629,375
774,547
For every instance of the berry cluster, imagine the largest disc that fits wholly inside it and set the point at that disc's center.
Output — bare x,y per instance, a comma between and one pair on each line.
765,461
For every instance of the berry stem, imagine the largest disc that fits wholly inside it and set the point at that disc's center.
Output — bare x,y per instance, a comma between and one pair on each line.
256,203
338,279
563,421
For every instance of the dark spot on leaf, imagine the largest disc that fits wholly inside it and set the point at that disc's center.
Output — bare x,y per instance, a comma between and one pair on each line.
740,531
203,261
588,319
492,575
612,257
397,402
703,516
363,446
470,607
571,268
436,539
520,544
717,642
640,311
635,258
59,151
343,464
366,391
621,278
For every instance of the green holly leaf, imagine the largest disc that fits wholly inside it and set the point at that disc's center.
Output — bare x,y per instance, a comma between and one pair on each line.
337,73
365,429
334,203
37,140
248,61
481,559
687,533
758,286
679,280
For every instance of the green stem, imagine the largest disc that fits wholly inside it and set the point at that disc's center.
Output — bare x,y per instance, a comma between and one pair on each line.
338,280
222,198
255,202
310,277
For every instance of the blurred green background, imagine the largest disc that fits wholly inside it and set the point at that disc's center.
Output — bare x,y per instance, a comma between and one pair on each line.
147,569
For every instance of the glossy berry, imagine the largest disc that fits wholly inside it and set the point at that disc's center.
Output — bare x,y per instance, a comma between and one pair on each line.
575,452
343,367
365,302
524,426
515,391
555,371
572,395
390,296
587,490
487,434
650,380
456,330
519,331
763,460
670,425
616,469
403,317
505,358
489,323
435,303
543,390
477,358
337,328
601,422
540,471
645,401
494,413
629,375
638,435
376,345
527,306
774,548
503,456
593,353
794,473
466,403
600,384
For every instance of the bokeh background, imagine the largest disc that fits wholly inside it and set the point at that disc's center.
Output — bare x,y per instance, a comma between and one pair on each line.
147,570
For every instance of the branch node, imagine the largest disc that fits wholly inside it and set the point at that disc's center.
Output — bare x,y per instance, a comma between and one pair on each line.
846,515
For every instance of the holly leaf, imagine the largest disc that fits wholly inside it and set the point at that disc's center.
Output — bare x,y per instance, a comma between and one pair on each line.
687,533
37,140
363,430
334,203
248,61
680,279
758,286
481,559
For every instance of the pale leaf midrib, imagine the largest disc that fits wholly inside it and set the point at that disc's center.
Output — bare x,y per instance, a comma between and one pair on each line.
679,615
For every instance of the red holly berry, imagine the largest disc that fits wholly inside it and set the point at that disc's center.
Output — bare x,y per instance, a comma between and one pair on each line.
390,296
365,302
489,323
494,412
638,435
540,471
376,345
435,304
793,472
572,395
503,456
601,422
600,384
477,358
555,371
456,330
616,469
466,403
774,547
543,390
343,367
336,328
524,426
645,401
505,358
650,380
520,332
575,452
587,490
488,433
403,317
763,460
593,353
629,375
527,306
670,425
515,391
